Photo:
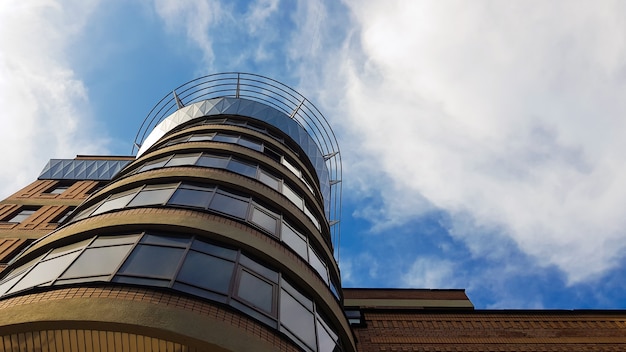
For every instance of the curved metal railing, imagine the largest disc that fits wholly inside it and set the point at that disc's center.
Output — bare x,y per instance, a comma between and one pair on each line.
269,92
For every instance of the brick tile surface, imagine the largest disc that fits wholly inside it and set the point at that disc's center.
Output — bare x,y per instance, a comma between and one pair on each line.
492,331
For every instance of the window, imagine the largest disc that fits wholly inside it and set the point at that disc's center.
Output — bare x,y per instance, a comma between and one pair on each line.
153,261
59,188
224,203
295,316
151,195
97,261
98,186
116,201
295,240
192,196
354,315
265,219
183,159
188,264
154,164
23,214
242,168
65,215
256,291
207,272
201,137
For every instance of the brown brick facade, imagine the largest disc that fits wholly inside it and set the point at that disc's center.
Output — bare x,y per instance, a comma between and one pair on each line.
159,299
492,331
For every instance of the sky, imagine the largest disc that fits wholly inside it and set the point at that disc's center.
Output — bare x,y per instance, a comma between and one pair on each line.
483,142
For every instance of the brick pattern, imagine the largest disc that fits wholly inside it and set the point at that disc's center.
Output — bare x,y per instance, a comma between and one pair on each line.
387,293
87,341
36,190
51,207
159,299
43,220
483,331
9,247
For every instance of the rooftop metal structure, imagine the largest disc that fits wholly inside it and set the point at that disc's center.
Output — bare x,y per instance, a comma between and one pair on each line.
273,94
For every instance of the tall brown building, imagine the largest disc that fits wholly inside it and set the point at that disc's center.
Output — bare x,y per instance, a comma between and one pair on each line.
219,234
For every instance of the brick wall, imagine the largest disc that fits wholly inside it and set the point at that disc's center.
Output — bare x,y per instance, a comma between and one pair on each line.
492,331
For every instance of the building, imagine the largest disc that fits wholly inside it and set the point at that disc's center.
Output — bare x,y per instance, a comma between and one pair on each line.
219,234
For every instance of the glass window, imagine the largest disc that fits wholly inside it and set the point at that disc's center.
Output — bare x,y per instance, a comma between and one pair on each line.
269,179
271,153
207,272
290,166
293,196
154,164
155,261
23,214
192,197
177,140
24,267
311,217
201,137
65,215
174,241
264,220
307,303
318,265
242,168
325,336
86,212
225,138
229,205
184,159
214,250
258,268
250,144
57,252
307,185
333,289
294,240
299,320
98,261
59,188
5,286
44,272
115,202
256,291
113,240
151,197
213,161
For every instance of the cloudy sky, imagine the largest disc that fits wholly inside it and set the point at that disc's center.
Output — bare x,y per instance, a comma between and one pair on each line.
483,142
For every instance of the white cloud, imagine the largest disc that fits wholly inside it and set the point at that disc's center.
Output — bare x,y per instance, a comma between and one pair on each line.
430,273
45,108
195,18
509,113
506,115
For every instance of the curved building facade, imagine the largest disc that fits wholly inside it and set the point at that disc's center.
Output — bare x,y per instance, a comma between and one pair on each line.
219,235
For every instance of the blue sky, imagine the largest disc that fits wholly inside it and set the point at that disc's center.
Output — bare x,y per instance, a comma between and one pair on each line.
482,142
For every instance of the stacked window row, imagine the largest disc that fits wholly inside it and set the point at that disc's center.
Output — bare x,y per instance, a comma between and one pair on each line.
245,142
187,264
247,123
217,199
237,166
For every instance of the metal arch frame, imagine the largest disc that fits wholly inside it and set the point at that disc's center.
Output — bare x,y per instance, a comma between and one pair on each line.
265,91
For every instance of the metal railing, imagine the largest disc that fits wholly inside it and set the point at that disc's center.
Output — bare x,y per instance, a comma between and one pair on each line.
269,92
